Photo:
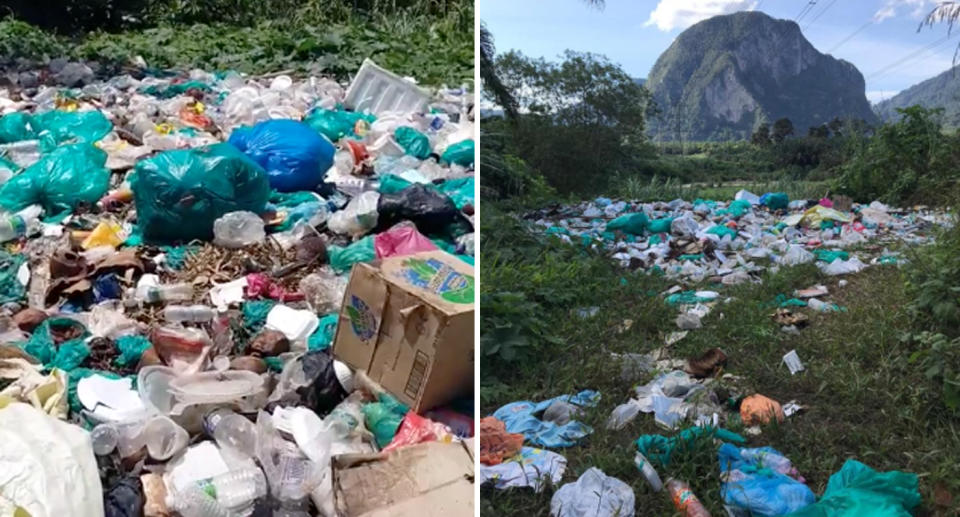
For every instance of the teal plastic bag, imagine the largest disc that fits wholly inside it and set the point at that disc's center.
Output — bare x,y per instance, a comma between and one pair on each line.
629,223
460,153
720,231
831,255
391,184
336,124
736,208
859,491
180,193
659,449
11,290
322,338
58,127
342,259
660,225
173,90
413,142
383,418
70,355
7,165
776,200
16,127
59,181
460,190
41,345
131,348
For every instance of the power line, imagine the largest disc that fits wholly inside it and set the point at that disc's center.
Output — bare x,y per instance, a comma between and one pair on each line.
909,57
850,37
817,17
757,8
806,10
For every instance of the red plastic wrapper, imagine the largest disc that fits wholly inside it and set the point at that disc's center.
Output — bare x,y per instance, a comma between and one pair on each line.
416,429
261,286
401,240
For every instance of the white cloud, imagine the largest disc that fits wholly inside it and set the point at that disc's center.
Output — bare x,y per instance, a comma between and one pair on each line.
875,96
680,14
916,8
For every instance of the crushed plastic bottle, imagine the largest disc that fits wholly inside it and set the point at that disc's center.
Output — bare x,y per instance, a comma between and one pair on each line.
238,230
189,313
20,224
224,495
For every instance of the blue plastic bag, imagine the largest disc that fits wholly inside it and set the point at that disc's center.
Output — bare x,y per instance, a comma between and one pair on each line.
757,480
295,156
524,417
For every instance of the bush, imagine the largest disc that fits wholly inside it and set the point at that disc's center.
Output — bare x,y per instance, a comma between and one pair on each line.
20,40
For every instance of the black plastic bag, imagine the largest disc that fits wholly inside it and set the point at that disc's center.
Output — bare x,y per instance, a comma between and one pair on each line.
430,210
324,391
124,499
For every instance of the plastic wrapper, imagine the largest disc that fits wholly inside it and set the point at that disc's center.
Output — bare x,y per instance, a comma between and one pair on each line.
594,494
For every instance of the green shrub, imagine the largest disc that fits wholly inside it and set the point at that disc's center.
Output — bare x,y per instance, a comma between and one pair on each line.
20,40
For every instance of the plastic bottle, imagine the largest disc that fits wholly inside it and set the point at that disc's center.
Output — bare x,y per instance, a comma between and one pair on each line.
685,500
231,431
348,414
238,229
104,438
191,313
221,495
164,293
20,223
643,464
818,305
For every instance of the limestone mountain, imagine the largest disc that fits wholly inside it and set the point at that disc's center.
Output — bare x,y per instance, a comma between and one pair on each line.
724,76
942,91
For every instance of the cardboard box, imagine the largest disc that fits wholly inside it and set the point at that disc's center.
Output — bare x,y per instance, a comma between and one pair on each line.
431,479
408,321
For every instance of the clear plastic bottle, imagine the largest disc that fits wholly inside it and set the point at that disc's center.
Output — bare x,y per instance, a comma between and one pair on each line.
20,224
348,414
105,439
189,313
164,293
685,500
231,431
221,496
238,229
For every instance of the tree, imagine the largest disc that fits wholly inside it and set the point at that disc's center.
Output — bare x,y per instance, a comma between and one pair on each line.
821,131
782,128
489,77
944,12
583,118
761,136
835,125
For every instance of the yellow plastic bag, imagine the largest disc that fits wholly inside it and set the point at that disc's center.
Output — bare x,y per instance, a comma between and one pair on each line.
105,234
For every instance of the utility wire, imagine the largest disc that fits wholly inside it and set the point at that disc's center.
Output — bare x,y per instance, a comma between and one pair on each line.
909,57
806,10
817,17
850,37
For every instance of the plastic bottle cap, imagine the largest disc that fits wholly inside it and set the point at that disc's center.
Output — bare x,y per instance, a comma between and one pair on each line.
344,375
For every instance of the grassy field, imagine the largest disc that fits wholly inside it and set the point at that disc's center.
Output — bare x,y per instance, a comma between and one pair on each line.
865,399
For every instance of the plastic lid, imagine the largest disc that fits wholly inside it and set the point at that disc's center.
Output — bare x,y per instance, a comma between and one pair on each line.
344,375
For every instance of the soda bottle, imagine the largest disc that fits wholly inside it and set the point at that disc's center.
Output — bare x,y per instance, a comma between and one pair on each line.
685,500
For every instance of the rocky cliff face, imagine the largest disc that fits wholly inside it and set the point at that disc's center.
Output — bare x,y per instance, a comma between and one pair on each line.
942,91
723,76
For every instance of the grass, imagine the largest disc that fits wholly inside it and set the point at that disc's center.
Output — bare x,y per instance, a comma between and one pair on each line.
864,399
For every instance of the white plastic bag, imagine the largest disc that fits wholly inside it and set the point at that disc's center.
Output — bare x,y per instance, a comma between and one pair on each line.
796,255
359,216
47,466
595,494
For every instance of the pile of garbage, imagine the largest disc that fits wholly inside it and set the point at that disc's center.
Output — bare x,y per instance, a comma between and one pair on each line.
694,400
226,295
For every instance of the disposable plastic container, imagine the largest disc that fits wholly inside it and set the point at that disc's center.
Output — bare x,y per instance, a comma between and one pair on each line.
377,90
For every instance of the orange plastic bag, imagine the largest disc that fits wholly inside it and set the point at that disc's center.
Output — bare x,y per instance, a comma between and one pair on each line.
757,409
415,429
496,444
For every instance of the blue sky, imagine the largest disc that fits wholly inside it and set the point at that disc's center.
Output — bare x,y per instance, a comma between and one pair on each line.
634,33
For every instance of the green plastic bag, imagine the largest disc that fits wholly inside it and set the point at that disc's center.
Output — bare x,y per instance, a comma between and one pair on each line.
255,314
383,418
859,491
776,200
70,354
16,127
336,124
180,193
686,298
737,208
131,348
460,190
413,142
322,338
831,255
720,231
660,225
41,345
342,259
629,223
391,184
173,90
659,449
59,181
58,127
11,290
460,153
